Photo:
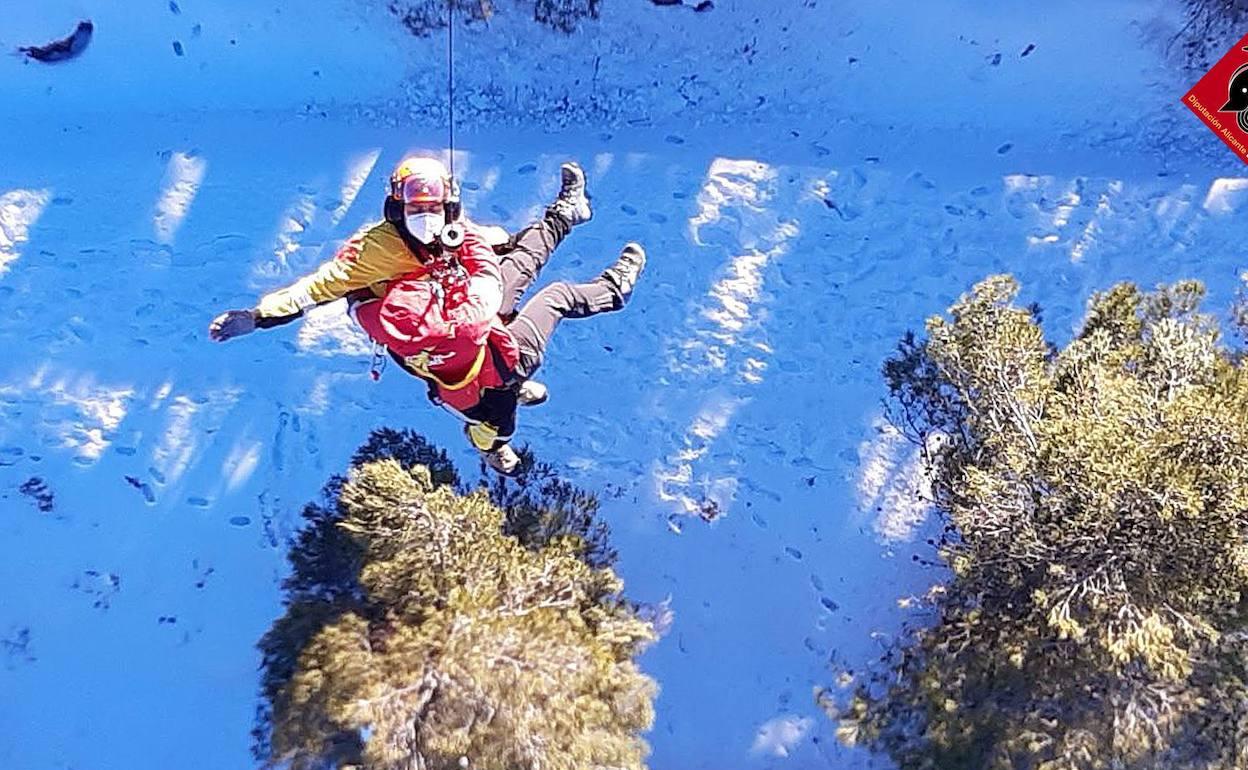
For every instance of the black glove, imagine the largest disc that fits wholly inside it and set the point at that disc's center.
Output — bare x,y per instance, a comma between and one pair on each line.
232,323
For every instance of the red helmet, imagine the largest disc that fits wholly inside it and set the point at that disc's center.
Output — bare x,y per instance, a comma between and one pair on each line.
420,180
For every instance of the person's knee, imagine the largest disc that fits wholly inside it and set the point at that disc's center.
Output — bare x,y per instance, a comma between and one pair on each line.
520,265
559,296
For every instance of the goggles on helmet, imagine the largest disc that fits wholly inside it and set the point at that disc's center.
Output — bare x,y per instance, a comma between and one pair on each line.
422,189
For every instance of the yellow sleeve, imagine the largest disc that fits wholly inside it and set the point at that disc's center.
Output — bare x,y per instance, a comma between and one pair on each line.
375,254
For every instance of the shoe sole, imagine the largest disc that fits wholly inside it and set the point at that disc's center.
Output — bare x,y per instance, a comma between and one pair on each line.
641,252
579,173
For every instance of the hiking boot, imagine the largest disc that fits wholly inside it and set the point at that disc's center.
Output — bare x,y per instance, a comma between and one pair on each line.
532,393
573,202
503,459
627,269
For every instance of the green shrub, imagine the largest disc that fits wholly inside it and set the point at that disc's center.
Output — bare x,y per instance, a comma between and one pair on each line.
424,17
418,633
1096,507
1210,27
564,15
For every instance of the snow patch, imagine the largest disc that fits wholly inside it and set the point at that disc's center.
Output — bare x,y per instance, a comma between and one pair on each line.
100,410
1070,201
777,737
735,293
160,395
1072,215
674,478
319,400
183,177
490,180
294,223
1226,195
1092,231
733,207
291,228
357,173
180,440
736,214
81,414
18,211
240,464
893,484
178,444
1173,206
602,164
327,330
1018,182
729,183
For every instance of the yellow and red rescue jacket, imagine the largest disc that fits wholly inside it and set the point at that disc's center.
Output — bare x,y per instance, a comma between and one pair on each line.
448,333
370,259
462,351
375,255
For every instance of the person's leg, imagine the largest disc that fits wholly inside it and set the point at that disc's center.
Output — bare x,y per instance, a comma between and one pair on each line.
489,428
492,422
537,320
524,261
540,316
529,250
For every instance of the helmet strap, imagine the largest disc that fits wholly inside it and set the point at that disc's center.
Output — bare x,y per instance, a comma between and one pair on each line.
393,211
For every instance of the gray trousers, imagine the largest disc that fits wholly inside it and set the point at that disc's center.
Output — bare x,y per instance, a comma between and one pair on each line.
538,318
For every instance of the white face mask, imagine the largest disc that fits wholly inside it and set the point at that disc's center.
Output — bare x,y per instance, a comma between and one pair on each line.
425,227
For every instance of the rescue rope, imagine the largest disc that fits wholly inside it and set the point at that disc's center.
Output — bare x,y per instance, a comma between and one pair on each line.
452,235
450,79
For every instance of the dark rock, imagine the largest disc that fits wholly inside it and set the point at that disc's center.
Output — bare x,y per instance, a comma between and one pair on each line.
65,48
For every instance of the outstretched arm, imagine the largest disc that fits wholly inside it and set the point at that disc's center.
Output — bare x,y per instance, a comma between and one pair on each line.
374,254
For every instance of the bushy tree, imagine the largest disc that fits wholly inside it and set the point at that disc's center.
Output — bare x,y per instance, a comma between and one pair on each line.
539,506
1096,507
418,634
423,17
564,15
